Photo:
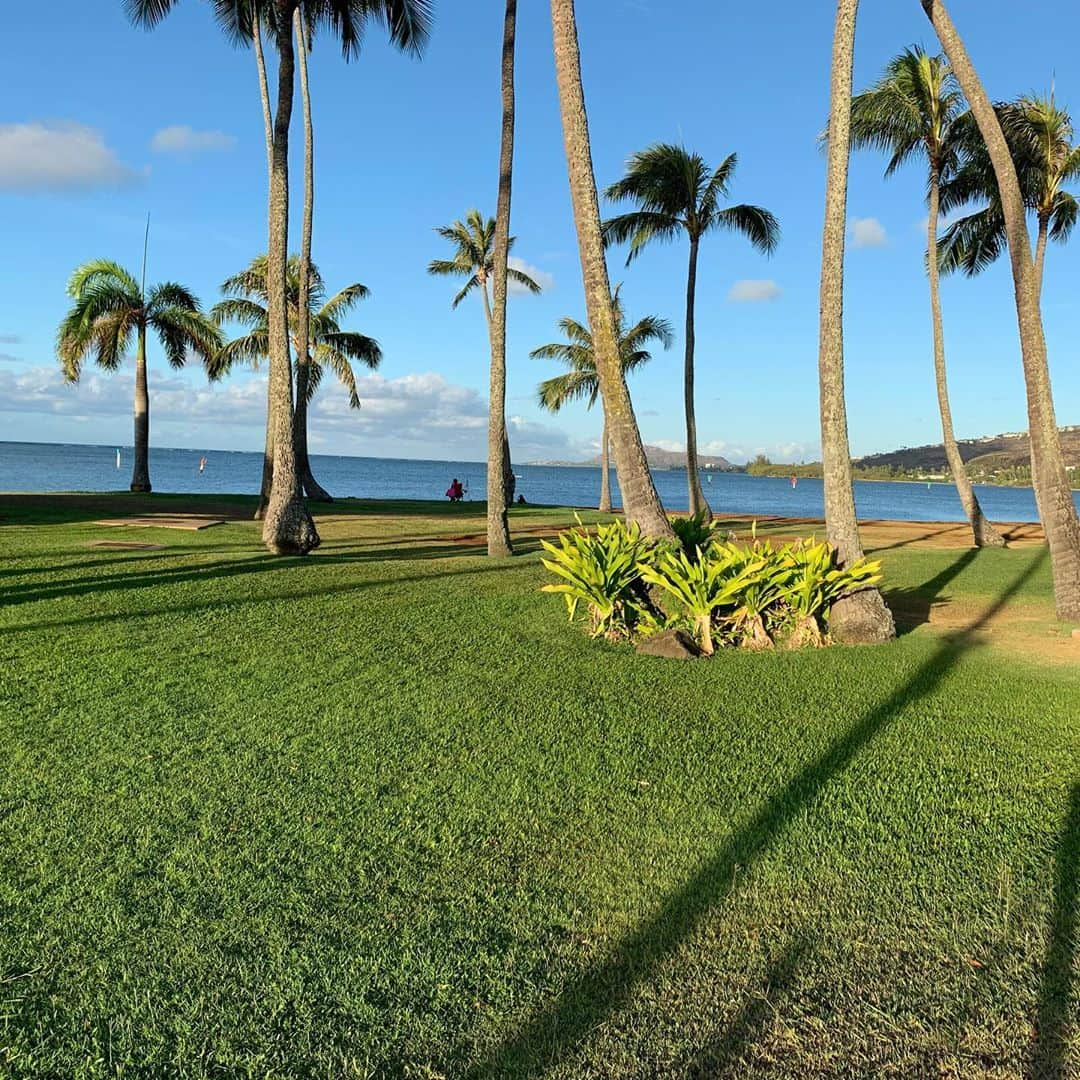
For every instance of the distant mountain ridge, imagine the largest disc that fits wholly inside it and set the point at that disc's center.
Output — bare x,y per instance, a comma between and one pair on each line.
659,458
1009,450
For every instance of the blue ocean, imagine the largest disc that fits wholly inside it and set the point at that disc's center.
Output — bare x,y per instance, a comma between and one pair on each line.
69,467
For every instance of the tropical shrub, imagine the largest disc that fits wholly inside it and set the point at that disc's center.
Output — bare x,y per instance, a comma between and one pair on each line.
725,592
600,570
701,586
693,533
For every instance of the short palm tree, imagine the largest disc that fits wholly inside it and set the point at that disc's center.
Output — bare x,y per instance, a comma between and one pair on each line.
110,308
580,382
1040,136
916,110
676,193
330,347
473,243
1052,491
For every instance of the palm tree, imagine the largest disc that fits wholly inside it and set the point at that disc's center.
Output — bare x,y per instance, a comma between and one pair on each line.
580,383
1040,137
288,526
676,192
329,347
916,110
862,617
1052,491
473,241
499,468
109,307
639,496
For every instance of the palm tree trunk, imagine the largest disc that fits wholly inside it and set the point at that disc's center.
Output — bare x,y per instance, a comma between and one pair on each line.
498,457
698,504
862,617
640,501
983,533
303,334
1052,492
605,472
509,479
288,528
1040,253
140,475
268,128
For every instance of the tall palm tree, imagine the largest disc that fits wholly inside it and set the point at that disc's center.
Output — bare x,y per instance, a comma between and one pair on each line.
329,347
641,503
288,527
499,467
915,111
676,193
473,242
109,308
862,617
1052,491
1040,137
580,382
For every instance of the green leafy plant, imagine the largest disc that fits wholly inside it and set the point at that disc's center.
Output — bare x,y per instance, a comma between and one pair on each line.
815,583
694,532
763,574
700,586
602,571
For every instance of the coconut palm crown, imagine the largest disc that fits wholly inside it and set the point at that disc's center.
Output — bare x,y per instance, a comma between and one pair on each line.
473,241
332,348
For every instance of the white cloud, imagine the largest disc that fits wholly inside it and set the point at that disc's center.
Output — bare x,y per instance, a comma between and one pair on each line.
181,139
37,157
542,278
753,291
868,233
415,413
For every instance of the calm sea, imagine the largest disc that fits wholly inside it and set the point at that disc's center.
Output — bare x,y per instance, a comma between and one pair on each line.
64,467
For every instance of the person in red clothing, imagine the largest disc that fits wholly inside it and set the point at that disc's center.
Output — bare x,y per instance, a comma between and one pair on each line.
455,492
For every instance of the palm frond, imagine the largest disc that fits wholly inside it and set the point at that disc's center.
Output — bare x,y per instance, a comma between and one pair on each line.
756,223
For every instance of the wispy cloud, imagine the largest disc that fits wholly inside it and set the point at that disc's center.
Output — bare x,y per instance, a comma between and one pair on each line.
868,233
7,358
181,139
542,278
10,339
753,291
53,157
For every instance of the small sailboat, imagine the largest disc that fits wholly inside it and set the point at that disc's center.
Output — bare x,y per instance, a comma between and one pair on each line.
118,457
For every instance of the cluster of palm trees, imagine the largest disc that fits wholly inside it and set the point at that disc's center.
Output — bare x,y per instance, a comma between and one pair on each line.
998,162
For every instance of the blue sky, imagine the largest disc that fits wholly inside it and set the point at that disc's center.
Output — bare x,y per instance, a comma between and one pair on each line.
87,147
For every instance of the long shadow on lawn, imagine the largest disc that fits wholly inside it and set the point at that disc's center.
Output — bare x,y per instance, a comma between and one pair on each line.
556,1029
218,602
1057,1013
912,607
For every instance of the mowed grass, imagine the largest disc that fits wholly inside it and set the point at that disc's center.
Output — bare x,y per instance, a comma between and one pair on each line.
382,812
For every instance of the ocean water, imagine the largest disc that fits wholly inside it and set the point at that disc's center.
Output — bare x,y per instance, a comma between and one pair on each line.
66,467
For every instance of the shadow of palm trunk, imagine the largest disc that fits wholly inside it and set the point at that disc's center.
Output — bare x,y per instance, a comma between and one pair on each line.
1057,1019
555,1030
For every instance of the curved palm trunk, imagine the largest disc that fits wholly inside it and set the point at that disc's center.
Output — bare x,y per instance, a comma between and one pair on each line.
640,501
268,128
499,470
1040,253
1052,492
698,503
862,617
983,533
605,472
140,473
303,335
288,528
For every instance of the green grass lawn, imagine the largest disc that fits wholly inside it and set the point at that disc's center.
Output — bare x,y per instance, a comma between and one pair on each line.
383,812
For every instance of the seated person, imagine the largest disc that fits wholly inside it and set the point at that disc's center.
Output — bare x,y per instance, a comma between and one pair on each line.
455,492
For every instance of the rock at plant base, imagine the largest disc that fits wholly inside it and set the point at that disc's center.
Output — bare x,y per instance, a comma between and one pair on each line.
672,644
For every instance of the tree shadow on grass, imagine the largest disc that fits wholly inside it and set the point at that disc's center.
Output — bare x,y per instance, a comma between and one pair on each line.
234,603
587,1001
1057,1019
912,607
